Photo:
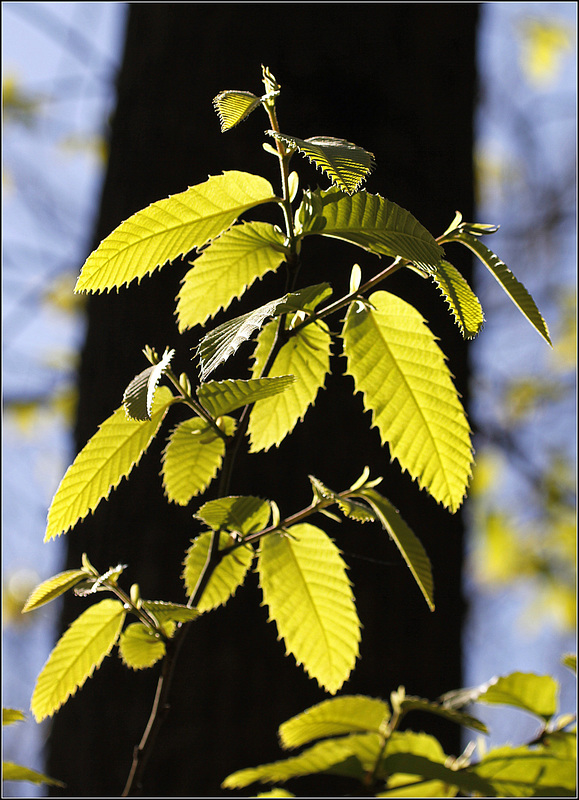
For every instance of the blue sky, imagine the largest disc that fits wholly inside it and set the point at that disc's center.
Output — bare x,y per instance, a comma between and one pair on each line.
66,55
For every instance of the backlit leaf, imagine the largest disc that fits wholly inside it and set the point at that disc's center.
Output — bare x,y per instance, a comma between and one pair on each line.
11,715
192,458
346,164
514,288
169,228
371,222
77,654
109,456
305,586
406,540
241,514
140,393
335,717
140,647
307,356
534,693
227,576
169,612
462,301
419,704
222,397
343,756
222,342
15,772
227,268
528,772
233,107
406,384
54,587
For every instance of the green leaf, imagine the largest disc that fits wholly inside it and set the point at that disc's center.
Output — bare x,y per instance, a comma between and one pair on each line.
415,765
350,508
14,772
140,647
346,164
108,457
536,694
526,772
308,298
192,458
11,715
335,717
139,394
406,384
371,222
233,107
514,288
462,301
77,654
243,514
222,397
169,612
344,756
227,576
222,342
570,660
171,227
305,586
406,540
307,356
419,704
53,588
227,268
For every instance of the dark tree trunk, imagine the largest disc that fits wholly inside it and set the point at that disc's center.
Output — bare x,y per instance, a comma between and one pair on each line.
399,80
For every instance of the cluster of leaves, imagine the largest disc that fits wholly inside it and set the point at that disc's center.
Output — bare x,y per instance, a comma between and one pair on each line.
359,737
392,356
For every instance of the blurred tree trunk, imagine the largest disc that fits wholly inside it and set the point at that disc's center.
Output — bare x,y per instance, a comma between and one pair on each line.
399,80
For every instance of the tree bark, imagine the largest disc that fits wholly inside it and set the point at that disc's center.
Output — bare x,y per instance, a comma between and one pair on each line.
399,80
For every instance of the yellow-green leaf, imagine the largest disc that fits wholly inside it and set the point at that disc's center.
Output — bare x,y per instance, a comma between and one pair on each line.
169,612
462,301
15,772
305,586
227,576
371,222
242,514
11,715
419,704
307,356
77,654
108,457
346,164
335,717
406,384
170,228
503,275
140,393
54,587
222,397
415,765
140,647
528,772
406,540
222,342
233,107
192,458
228,267
348,755
536,694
